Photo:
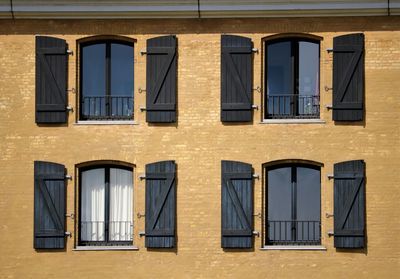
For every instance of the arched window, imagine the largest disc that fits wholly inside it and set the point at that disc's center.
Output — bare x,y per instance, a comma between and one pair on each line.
106,205
293,202
106,80
291,77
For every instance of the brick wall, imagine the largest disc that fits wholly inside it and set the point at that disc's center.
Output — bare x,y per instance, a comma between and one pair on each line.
198,142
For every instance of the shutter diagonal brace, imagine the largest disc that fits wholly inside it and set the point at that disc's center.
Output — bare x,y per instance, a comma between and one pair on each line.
160,202
42,58
235,74
171,52
50,205
349,204
349,71
237,204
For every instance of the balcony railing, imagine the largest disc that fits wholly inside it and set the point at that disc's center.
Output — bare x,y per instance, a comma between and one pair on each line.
107,107
96,231
294,233
292,106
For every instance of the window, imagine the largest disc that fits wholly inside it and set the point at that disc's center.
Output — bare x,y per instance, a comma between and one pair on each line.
106,206
292,78
293,205
106,80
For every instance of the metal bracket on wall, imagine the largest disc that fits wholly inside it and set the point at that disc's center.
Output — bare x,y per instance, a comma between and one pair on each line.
254,107
69,108
140,215
330,233
256,176
257,215
330,176
142,234
328,88
258,88
328,107
70,52
256,233
254,50
70,215
69,234
69,177
143,52
329,49
142,177
71,90
142,109
141,90
328,215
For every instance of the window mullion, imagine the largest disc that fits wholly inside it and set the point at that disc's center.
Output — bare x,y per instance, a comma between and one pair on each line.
294,202
107,203
108,79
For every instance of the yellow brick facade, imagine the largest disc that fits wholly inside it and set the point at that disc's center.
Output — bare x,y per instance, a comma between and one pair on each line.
198,142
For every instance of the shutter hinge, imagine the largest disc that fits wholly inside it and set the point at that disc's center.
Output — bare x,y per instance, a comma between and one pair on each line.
258,88
142,234
330,176
141,90
70,215
329,49
254,107
70,52
328,107
69,177
256,176
142,177
257,215
142,109
140,215
328,215
254,50
256,233
73,90
328,88
69,234
69,108
330,233
143,52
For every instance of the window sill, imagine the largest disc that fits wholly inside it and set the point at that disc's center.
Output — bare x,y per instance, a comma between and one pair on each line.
294,247
105,248
106,122
292,121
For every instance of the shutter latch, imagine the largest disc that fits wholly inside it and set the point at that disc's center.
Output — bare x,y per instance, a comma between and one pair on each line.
328,215
71,215
69,108
330,233
142,234
142,109
256,176
256,233
143,52
141,90
329,50
254,50
330,176
69,234
70,52
328,107
139,215
328,88
142,177
254,107
69,177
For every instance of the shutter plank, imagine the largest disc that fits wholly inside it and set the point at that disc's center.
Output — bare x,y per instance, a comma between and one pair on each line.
236,79
51,80
160,204
161,69
49,205
349,204
348,77
236,205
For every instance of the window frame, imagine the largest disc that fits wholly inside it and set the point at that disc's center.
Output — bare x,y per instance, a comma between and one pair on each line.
294,40
107,40
106,166
293,164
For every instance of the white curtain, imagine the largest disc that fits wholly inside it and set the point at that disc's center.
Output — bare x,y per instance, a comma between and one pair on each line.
93,194
121,205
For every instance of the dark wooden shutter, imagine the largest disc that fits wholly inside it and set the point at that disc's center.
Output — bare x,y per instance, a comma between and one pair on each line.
349,199
49,208
160,204
236,79
348,77
161,79
51,80
237,205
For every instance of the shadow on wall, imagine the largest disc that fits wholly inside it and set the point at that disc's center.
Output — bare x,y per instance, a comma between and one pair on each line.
196,26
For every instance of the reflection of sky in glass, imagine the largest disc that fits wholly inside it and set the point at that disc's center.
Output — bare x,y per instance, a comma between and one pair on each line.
308,68
279,194
121,70
94,70
279,69
308,194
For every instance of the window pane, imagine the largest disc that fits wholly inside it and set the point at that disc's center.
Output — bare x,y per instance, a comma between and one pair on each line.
279,77
122,79
93,79
92,205
308,203
279,204
121,205
308,77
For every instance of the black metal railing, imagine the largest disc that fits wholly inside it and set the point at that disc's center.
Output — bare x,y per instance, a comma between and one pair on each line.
116,230
107,107
292,106
294,233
